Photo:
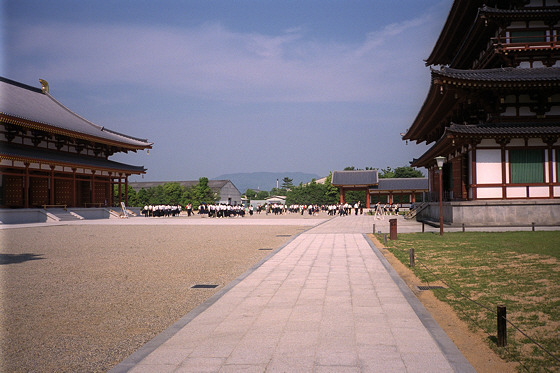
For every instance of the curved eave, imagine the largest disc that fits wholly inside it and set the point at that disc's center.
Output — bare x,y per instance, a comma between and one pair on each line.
498,78
426,125
429,124
73,134
455,136
23,154
458,20
540,14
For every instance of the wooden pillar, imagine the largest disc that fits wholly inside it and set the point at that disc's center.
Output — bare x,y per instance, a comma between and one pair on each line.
342,196
367,198
473,171
26,186
110,189
413,197
550,142
51,198
120,191
126,189
74,191
93,188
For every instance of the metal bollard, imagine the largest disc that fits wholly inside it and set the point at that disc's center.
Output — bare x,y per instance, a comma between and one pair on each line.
385,238
411,256
374,229
533,226
422,227
463,227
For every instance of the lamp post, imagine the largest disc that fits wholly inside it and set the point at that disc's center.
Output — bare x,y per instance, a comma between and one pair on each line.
440,161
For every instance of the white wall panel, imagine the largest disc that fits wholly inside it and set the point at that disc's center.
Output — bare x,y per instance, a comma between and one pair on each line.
488,166
489,192
516,192
540,191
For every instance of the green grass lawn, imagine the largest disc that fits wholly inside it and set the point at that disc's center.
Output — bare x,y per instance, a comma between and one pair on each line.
520,270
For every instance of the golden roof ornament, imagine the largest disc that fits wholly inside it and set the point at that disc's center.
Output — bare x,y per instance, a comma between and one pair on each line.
45,85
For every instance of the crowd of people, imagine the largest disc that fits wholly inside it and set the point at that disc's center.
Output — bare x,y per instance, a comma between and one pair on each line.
386,209
161,210
223,210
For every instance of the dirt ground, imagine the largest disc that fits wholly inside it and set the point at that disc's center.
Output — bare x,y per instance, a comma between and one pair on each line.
83,298
471,344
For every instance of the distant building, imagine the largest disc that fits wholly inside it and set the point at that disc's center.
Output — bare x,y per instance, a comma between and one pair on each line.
402,191
50,156
279,200
224,190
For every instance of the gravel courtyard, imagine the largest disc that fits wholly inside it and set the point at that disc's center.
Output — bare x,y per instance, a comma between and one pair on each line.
81,298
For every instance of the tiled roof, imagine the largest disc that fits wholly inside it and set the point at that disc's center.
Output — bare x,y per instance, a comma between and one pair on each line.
509,129
413,183
12,151
29,103
354,178
506,74
524,12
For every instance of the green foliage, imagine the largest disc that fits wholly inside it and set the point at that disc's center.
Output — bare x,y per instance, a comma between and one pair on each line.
278,192
250,193
399,172
353,196
262,195
169,194
287,183
313,194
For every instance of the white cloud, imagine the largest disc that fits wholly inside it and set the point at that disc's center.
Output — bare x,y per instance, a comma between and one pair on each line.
219,64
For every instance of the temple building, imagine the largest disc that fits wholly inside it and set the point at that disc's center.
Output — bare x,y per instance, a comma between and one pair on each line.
400,191
493,113
50,156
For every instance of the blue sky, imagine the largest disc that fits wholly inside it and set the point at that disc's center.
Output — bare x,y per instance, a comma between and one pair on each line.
234,86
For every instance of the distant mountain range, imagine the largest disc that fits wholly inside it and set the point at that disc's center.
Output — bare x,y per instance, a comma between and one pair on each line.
265,180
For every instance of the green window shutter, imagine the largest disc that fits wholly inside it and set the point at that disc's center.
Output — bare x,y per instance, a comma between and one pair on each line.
527,166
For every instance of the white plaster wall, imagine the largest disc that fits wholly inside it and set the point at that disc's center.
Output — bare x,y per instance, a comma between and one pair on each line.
540,191
556,191
487,143
488,166
489,192
536,142
516,142
516,192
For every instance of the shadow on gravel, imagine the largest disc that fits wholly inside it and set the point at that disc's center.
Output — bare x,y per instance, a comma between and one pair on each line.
19,258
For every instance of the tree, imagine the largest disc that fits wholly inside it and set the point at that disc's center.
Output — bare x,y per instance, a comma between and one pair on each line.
172,193
262,194
278,192
202,192
407,172
331,192
400,172
250,193
287,183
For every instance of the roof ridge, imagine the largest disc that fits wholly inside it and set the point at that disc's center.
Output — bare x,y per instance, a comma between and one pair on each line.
21,85
73,113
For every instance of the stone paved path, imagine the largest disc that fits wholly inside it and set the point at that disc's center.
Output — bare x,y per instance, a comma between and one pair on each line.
325,302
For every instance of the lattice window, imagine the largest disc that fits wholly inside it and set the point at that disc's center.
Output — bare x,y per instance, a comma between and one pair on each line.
526,166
